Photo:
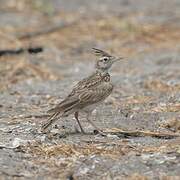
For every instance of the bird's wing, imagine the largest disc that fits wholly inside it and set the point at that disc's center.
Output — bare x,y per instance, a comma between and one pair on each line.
95,95
81,86
69,101
84,98
91,81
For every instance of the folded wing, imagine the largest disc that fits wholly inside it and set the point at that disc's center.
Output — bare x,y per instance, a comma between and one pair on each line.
84,97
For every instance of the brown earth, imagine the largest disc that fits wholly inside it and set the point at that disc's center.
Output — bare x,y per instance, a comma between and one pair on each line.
146,97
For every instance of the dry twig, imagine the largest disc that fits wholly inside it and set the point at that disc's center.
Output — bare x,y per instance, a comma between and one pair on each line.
31,50
119,132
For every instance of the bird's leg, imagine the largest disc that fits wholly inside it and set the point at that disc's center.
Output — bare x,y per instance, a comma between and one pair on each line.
98,129
76,117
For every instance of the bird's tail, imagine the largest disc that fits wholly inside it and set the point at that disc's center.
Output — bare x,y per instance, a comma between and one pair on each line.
65,108
50,120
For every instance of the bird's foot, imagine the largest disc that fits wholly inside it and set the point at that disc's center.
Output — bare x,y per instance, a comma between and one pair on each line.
99,131
83,132
43,131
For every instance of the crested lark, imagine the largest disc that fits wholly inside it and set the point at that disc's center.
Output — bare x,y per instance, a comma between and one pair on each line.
88,93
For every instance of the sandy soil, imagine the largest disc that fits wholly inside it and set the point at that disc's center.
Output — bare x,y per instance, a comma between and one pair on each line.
146,96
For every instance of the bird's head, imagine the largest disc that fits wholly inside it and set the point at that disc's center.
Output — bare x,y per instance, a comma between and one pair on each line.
105,60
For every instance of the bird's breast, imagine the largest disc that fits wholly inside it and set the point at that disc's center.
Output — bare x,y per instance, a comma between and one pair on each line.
107,85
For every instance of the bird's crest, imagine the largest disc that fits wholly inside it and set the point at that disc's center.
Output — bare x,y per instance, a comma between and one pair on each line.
99,52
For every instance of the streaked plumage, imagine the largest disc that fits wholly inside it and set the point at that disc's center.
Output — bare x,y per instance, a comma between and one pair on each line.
87,93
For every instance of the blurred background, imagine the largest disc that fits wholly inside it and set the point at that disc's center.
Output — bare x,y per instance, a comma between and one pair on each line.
67,30
46,47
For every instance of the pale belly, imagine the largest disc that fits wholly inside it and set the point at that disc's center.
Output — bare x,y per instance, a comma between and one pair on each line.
90,108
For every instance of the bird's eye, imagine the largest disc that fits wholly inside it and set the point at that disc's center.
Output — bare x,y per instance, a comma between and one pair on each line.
105,58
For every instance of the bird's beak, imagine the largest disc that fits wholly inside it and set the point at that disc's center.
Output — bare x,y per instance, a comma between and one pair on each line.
117,59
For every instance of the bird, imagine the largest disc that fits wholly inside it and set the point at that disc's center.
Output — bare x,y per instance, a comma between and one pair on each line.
87,94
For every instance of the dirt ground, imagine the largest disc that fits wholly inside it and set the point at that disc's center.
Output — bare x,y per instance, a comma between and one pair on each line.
146,97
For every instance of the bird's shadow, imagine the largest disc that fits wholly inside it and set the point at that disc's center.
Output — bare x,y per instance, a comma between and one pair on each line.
64,134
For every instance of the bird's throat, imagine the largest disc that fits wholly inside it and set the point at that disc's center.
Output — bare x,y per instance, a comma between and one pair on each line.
102,72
